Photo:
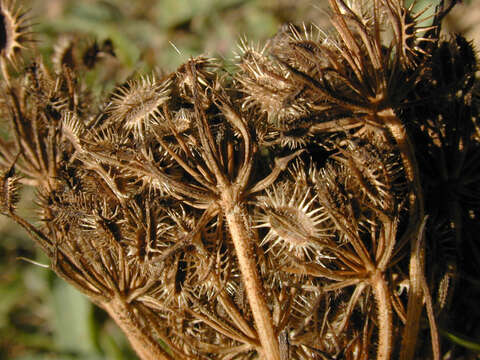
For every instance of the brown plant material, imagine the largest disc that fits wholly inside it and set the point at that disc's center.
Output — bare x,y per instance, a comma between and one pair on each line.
278,214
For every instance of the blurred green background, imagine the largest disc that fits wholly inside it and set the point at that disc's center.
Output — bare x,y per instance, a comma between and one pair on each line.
41,317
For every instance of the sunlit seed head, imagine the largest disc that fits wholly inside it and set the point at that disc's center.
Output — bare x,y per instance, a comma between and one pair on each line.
268,86
72,128
14,30
136,105
293,218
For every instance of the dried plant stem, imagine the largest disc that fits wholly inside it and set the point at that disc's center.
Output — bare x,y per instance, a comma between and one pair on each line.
384,315
407,153
417,252
242,238
146,347
5,73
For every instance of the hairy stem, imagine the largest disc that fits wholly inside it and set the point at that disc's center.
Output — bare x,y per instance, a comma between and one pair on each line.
236,217
146,347
384,316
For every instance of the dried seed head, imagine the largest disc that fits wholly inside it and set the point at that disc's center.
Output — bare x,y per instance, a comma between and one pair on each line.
63,54
13,30
376,174
334,189
136,105
293,218
94,52
72,128
188,85
268,86
9,195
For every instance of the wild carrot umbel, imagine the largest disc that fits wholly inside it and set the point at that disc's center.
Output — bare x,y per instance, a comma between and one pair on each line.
288,211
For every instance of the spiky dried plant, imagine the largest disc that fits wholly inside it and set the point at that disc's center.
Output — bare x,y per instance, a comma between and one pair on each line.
14,33
279,214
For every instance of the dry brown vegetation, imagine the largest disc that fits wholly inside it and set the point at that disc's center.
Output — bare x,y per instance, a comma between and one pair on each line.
314,204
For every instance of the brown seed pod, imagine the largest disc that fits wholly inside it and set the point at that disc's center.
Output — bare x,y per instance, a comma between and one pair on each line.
9,195
136,105
64,53
14,30
294,219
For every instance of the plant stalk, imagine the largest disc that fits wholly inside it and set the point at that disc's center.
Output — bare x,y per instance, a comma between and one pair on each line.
146,347
236,217
417,252
384,315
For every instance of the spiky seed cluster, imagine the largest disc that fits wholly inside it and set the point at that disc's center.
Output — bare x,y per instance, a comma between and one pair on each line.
359,69
135,106
375,171
268,86
179,206
293,219
10,187
14,30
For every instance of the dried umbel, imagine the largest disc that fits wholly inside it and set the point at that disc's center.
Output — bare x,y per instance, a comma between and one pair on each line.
14,30
281,214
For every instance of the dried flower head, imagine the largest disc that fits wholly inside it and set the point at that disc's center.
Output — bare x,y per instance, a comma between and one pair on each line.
14,30
136,105
64,53
175,208
293,219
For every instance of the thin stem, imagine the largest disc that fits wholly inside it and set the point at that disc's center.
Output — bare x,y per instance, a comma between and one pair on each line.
210,152
183,163
146,347
5,73
417,252
280,166
236,217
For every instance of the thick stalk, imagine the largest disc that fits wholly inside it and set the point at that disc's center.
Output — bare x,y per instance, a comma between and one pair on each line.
236,217
146,347
384,315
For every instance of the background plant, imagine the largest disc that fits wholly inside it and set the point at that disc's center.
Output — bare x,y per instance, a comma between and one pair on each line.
281,126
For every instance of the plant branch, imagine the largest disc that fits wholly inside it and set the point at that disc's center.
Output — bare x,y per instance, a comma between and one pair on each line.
146,347
236,217
384,315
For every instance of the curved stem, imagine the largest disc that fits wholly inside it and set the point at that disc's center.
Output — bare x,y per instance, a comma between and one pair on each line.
146,347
